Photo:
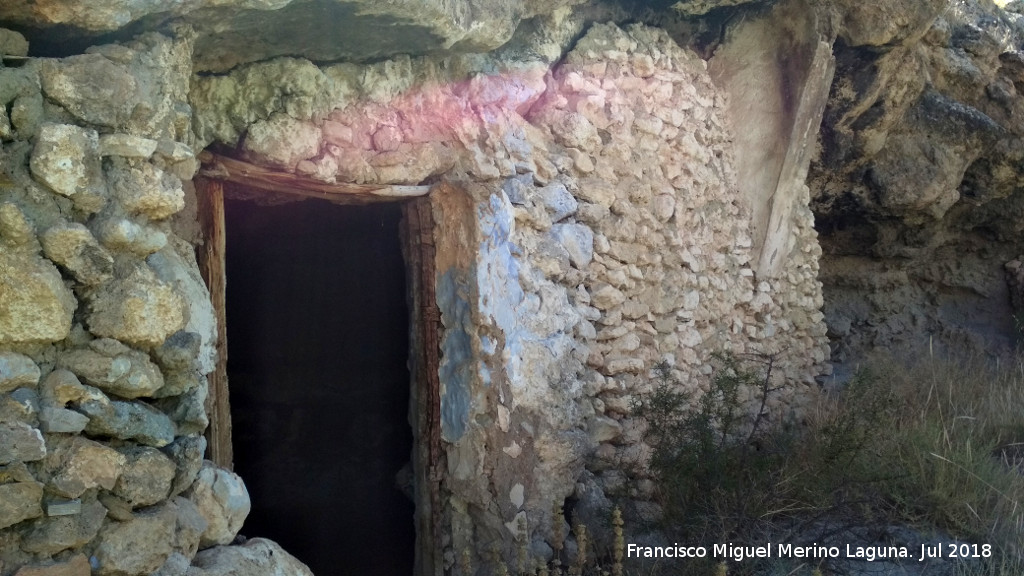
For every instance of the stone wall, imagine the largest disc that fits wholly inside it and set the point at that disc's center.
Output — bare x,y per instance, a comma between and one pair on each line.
106,327
590,225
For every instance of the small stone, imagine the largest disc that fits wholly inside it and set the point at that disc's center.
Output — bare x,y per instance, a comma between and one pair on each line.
78,565
92,88
66,159
97,369
123,234
49,536
62,421
14,225
145,189
603,429
82,464
578,241
147,477
177,564
38,307
517,190
223,501
19,502
282,140
179,351
174,151
189,527
387,139
516,495
127,145
664,206
138,546
17,370
20,442
117,508
187,454
128,421
60,387
12,43
256,556
64,507
72,246
188,411
138,309
557,201
606,297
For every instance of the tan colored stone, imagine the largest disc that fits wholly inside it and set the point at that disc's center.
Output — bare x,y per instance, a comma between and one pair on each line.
222,500
78,565
72,246
144,189
147,476
20,501
138,546
66,158
81,464
139,309
257,556
37,305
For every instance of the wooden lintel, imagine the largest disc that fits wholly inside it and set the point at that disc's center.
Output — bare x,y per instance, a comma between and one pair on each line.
219,167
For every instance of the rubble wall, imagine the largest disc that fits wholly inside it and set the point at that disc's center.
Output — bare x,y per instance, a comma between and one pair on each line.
601,231
590,227
106,327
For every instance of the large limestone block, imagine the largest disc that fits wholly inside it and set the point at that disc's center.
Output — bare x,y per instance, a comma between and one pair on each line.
139,309
137,546
72,246
66,158
257,557
17,370
222,500
37,306
81,464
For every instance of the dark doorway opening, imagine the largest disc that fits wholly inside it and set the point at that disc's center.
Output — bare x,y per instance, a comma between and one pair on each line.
319,341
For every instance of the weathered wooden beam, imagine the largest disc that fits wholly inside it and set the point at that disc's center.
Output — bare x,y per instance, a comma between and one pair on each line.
210,256
243,173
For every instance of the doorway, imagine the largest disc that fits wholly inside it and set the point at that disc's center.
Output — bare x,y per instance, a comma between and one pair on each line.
320,390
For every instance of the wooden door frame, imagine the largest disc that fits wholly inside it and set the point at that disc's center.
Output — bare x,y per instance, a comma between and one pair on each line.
418,251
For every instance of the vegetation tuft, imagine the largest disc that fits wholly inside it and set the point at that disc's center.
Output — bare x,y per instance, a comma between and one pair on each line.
931,448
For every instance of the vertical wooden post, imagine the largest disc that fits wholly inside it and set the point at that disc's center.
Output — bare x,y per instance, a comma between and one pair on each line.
425,398
210,256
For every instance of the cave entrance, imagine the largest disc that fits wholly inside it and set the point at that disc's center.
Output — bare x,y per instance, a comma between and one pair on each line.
324,404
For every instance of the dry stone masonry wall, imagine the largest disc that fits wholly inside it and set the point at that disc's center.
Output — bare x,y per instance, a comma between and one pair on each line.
106,328
589,226
606,234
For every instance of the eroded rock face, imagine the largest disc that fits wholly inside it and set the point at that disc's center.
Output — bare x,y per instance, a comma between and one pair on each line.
918,185
229,33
